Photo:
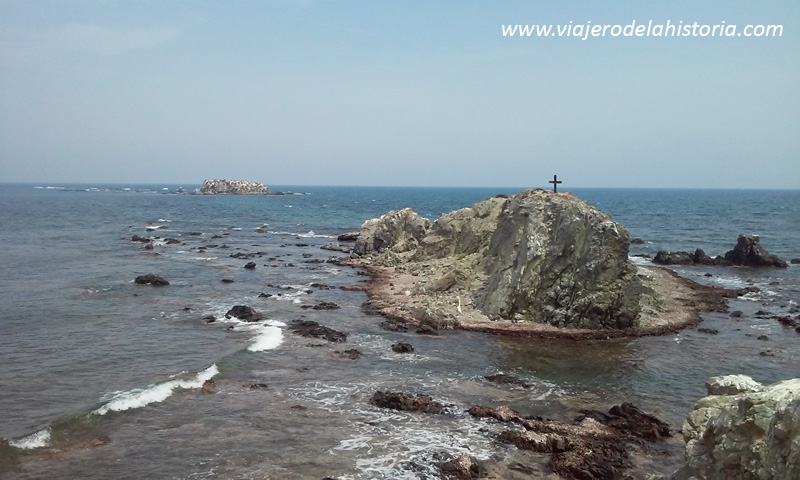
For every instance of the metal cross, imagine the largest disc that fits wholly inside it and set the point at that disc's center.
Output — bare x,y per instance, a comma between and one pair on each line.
555,183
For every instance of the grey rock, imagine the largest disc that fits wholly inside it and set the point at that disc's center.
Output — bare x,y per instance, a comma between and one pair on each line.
559,260
399,230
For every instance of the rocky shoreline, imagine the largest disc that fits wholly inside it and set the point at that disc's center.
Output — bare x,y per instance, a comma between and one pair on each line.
391,295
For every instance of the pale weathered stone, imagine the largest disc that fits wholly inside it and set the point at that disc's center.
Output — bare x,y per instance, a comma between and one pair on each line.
232,187
398,231
754,434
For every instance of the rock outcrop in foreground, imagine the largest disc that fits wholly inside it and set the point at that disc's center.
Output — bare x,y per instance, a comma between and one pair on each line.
232,187
743,429
538,256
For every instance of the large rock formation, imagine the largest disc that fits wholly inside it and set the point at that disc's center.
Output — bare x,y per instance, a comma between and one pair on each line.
556,259
743,430
537,256
749,252
232,187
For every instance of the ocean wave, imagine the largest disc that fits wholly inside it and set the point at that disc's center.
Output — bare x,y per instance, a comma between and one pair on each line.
308,234
268,334
138,398
36,440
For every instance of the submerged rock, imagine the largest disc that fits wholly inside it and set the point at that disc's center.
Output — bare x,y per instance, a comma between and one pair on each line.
402,347
406,402
150,279
210,386
250,265
335,247
749,252
326,306
503,379
744,430
232,187
308,328
243,313
464,467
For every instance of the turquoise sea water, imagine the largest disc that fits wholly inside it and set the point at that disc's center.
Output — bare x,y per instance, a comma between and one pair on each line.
86,354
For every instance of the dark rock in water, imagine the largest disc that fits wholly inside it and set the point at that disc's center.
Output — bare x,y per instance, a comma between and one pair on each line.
336,247
699,257
711,331
149,246
352,354
406,402
326,306
150,279
749,252
736,313
502,379
464,467
243,313
767,353
394,325
795,261
637,241
763,313
226,280
348,237
308,328
210,386
402,347
323,286
427,330
254,386
762,337
788,321
171,241
137,238
264,295
250,265
707,275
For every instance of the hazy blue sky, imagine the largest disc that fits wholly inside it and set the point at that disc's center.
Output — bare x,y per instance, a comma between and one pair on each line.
395,93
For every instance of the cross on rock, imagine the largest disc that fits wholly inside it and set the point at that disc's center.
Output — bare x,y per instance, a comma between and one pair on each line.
555,181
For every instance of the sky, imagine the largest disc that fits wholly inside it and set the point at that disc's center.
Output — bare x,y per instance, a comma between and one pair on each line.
416,93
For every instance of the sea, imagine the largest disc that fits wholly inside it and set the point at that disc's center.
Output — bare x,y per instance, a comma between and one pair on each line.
101,377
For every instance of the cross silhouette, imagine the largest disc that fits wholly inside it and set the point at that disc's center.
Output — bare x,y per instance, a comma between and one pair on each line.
555,181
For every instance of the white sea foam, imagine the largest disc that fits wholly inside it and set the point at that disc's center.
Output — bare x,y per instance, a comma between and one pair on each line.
37,440
309,234
268,338
155,393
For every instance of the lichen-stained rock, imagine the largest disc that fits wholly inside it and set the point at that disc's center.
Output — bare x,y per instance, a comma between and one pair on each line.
232,187
398,231
461,232
557,259
751,433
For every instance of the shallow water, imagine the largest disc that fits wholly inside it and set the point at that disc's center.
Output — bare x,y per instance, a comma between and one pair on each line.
78,338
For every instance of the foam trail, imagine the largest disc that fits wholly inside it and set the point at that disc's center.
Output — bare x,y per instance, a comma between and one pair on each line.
156,393
36,440
267,339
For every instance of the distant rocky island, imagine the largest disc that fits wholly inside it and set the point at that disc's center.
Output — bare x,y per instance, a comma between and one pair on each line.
232,187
